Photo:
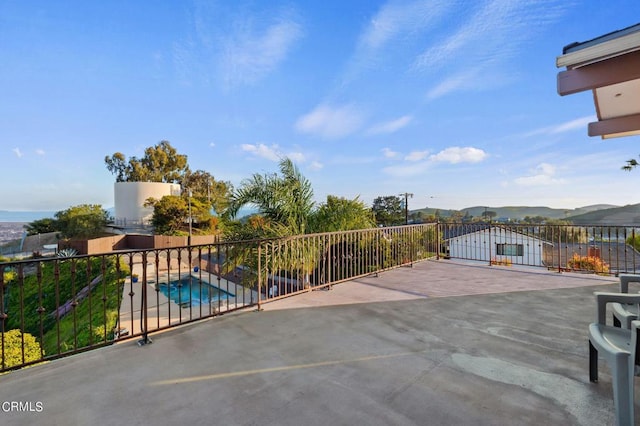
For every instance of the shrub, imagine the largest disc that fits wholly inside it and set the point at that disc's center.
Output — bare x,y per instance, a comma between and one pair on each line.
502,262
9,275
587,263
13,348
634,241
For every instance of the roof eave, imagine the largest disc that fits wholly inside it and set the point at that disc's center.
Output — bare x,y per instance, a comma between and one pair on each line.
599,52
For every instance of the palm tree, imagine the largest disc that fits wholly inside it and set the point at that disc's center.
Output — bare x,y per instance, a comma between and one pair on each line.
286,203
286,200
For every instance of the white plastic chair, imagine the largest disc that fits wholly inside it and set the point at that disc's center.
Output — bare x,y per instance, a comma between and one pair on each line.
619,348
624,313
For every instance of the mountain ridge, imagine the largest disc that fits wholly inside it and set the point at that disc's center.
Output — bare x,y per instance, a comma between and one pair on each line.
515,213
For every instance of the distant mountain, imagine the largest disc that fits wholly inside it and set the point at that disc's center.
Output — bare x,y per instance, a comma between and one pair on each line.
626,215
520,212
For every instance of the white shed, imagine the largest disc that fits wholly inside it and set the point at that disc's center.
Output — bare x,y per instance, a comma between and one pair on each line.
496,243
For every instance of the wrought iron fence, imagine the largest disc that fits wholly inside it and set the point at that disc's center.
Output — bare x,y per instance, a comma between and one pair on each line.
54,306
597,249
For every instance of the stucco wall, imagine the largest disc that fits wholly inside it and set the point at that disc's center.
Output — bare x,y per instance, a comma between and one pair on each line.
481,245
134,242
129,199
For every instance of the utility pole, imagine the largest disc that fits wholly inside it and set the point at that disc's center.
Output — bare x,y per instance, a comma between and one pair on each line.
406,196
189,239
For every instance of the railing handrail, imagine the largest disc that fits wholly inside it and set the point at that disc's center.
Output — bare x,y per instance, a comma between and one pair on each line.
245,274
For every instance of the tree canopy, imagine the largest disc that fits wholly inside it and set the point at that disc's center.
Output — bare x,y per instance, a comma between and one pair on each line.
388,210
341,214
171,214
161,163
206,189
82,221
285,199
41,226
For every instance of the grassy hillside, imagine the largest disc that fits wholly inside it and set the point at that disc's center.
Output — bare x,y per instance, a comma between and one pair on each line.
91,321
520,212
626,215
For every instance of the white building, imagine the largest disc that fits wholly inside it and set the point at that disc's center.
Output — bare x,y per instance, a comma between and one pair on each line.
129,199
496,243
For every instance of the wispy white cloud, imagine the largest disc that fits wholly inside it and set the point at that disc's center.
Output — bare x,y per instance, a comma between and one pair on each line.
273,152
485,41
40,152
263,151
397,18
542,175
395,21
457,154
388,153
297,157
17,152
315,165
241,51
331,122
465,79
416,156
578,124
249,55
391,126
405,170
418,162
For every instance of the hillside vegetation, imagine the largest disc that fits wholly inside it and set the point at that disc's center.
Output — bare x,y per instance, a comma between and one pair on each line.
626,215
89,320
599,214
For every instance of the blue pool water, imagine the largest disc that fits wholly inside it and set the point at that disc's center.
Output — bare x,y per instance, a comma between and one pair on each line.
192,290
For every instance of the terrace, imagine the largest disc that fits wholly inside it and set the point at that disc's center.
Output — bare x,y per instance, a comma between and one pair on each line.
421,339
442,342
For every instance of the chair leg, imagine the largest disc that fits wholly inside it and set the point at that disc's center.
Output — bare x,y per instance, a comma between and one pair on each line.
622,377
593,363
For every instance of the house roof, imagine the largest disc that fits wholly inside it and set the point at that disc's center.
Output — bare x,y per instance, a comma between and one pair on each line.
456,231
609,66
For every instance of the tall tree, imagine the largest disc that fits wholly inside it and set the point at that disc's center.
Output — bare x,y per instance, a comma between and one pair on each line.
341,214
388,210
82,221
171,214
285,199
205,188
41,226
161,163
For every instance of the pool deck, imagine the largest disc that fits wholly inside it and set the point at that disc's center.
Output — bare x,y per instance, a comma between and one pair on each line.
439,343
163,311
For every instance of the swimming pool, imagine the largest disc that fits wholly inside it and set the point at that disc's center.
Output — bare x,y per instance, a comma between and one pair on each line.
192,290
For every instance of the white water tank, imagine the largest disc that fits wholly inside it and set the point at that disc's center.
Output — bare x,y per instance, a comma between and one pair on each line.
129,199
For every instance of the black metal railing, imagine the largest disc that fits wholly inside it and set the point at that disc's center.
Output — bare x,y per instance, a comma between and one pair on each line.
598,249
55,306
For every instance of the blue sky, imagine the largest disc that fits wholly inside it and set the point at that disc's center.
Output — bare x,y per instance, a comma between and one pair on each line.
453,101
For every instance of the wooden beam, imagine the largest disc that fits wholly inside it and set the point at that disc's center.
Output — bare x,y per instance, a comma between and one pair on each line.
604,73
611,126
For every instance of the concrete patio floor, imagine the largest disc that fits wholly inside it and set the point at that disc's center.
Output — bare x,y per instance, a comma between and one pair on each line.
441,343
